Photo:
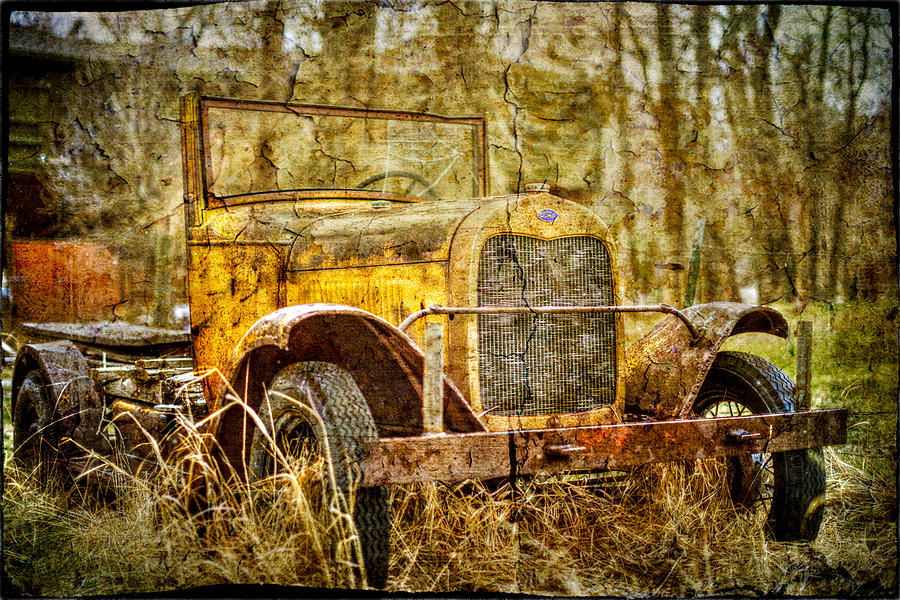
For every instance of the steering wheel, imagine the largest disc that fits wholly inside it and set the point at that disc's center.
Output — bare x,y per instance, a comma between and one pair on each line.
415,180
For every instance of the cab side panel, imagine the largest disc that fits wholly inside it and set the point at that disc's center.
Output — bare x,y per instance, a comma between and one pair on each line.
232,285
392,291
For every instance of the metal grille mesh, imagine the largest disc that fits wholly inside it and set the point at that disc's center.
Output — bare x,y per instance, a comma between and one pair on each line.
533,364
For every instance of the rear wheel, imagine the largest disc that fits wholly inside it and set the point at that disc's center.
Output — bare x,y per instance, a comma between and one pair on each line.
36,439
784,488
348,424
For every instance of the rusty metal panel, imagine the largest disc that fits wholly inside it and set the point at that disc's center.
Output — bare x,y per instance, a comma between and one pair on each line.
456,458
665,369
231,288
63,281
399,234
391,292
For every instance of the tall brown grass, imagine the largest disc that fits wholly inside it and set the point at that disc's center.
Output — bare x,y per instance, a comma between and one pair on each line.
176,522
666,529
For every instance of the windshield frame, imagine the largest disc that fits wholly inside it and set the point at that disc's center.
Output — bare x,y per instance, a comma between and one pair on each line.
204,161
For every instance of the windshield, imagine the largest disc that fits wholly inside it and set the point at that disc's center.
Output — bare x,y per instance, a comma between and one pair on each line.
257,147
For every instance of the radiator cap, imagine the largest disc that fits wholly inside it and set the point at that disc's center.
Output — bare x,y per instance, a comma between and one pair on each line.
537,187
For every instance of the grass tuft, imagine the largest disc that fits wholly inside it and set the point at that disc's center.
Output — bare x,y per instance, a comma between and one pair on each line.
182,523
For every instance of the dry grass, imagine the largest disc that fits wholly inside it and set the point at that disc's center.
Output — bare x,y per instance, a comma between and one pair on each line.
144,541
183,524
665,530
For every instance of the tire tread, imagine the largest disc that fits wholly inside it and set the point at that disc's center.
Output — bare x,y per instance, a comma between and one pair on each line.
349,424
797,507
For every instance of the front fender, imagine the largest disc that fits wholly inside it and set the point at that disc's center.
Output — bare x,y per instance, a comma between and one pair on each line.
383,361
664,370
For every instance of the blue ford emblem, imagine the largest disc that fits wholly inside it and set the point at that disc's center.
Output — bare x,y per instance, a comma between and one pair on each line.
547,214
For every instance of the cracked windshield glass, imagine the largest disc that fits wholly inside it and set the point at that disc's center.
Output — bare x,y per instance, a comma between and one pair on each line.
257,151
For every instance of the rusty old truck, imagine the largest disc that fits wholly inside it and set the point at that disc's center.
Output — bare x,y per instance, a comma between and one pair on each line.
353,261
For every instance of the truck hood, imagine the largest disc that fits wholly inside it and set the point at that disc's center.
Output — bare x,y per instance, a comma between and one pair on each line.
322,236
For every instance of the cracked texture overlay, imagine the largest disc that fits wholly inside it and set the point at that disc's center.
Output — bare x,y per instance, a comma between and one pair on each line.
769,123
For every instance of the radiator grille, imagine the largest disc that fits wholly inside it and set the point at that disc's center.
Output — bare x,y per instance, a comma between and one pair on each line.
533,364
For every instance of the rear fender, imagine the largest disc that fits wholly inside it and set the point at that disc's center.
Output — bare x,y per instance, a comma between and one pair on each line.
664,370
383,361
77,398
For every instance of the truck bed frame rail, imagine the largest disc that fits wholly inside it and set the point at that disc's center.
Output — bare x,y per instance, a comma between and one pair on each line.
483,455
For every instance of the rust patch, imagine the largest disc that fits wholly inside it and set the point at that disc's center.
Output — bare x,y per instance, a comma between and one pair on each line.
63,281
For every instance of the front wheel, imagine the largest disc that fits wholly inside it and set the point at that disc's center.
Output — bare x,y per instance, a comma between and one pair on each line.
331,392
786,488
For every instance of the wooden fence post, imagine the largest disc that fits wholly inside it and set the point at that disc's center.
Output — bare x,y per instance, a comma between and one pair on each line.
804,362
694,268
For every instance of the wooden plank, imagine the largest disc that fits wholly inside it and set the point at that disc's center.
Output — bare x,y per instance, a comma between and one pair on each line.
117,334
455,458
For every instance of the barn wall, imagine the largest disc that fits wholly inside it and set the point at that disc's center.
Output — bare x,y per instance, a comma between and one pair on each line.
771,123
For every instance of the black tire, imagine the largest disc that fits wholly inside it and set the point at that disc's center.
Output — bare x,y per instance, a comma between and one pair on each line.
36,439
787,487
348,424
